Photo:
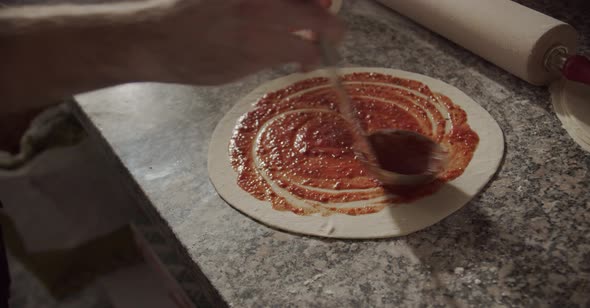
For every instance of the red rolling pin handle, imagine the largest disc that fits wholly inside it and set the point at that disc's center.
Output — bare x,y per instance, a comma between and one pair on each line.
577,68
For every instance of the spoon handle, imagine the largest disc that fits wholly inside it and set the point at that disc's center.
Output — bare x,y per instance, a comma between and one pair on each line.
361,146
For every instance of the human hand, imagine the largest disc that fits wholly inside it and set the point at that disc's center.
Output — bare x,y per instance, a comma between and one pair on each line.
213,42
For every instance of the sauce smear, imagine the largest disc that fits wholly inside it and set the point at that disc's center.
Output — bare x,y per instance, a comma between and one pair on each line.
295,150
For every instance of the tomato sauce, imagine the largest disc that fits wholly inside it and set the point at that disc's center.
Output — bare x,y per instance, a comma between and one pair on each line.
294,149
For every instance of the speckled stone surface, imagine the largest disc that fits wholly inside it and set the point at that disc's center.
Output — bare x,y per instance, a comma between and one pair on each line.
524,241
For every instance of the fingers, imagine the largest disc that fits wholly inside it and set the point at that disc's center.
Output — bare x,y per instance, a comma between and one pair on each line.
286,15
311,15
266,28
325,3
232,38
290,48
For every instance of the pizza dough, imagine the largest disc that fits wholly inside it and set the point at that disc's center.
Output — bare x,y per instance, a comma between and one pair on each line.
392,220
571,101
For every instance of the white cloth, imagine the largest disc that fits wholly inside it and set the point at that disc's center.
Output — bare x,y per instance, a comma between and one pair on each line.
65,196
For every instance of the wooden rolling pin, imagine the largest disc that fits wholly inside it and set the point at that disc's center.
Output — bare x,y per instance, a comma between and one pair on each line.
524,42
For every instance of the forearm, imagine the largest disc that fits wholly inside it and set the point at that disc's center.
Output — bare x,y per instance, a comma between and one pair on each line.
45,59
43,67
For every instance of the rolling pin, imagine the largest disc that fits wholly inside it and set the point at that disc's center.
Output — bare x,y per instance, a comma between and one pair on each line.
533,46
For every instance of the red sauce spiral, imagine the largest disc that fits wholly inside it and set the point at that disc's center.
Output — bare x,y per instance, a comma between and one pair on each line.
294,148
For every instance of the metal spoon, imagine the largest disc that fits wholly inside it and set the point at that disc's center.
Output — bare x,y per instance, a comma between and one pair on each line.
394,157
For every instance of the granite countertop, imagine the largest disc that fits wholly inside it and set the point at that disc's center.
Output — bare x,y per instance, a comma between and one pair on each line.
524,241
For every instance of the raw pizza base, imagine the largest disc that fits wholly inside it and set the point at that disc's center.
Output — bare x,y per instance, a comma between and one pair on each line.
394,220
571,101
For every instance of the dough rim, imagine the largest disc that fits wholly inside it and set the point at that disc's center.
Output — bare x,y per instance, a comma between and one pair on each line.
393,221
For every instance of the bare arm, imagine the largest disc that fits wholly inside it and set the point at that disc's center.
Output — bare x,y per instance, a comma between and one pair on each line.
46,56
50,52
